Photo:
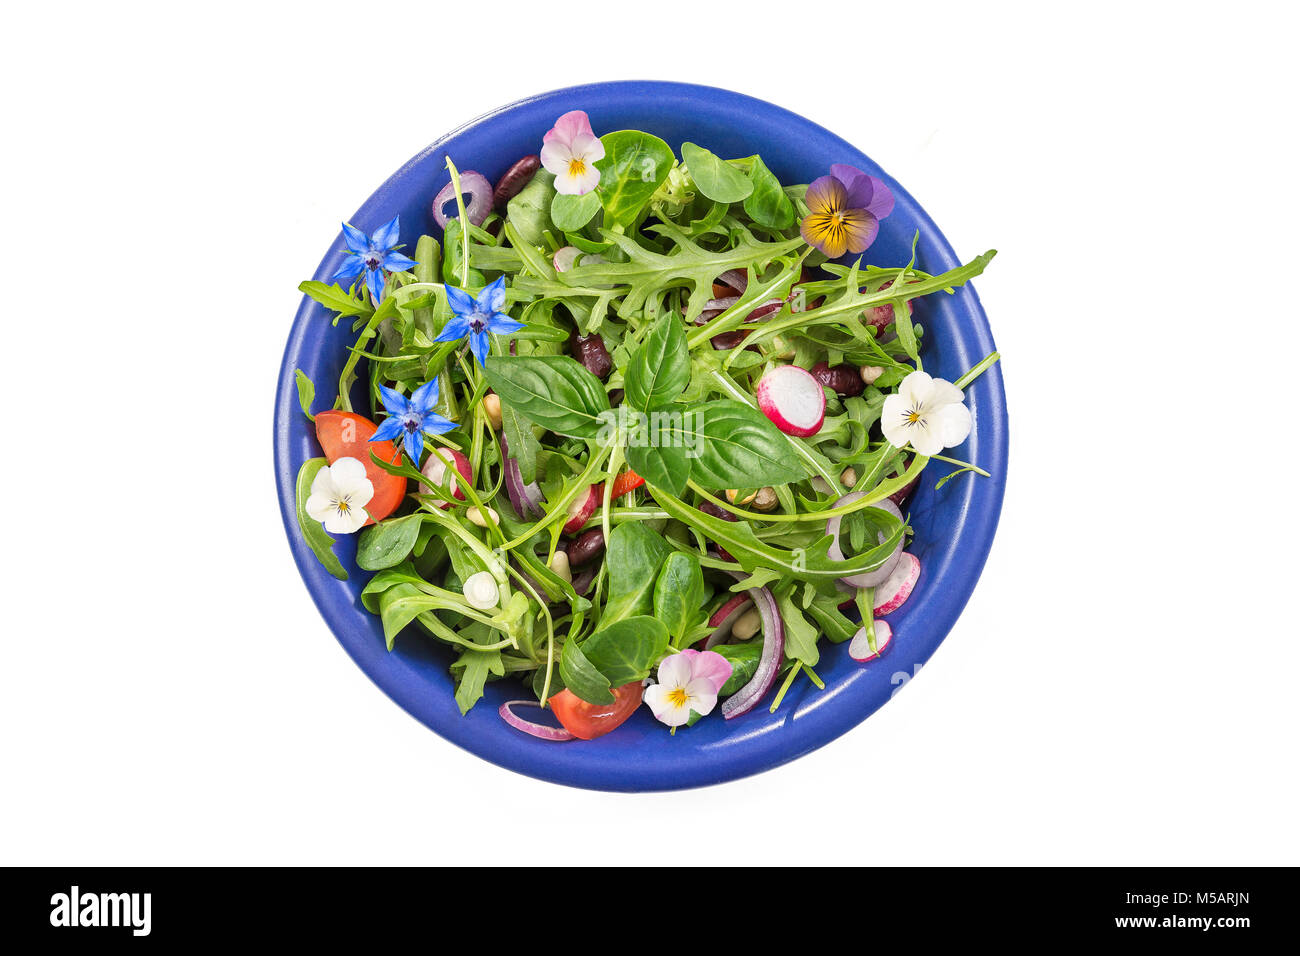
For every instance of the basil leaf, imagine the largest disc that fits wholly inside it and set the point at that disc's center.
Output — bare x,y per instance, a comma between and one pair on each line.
633,554
768,205
571,213
626,650
736,445
660,368
521,441
679,592
744,662
666,465
718,180
388,543
552,390
635,165
306,392
313,532
582,678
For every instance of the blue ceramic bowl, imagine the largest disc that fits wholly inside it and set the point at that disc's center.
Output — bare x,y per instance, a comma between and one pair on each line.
954,526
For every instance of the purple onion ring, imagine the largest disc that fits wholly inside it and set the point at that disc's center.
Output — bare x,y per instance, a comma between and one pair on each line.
540,731
769,662
477,192
867,579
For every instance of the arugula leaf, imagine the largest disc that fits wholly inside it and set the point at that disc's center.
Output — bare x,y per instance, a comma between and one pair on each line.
768,205
626,650
388,543
306,392
571,213
633,555
800,636
660,368
737,446
581,676
332,297
635,165
679,593
475,667
554,391
313,532
717,179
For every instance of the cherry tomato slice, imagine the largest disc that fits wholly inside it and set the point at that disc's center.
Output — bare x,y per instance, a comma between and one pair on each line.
589,721
347,435
627,481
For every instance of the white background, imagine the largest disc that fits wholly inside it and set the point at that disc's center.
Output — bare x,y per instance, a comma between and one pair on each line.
1121,688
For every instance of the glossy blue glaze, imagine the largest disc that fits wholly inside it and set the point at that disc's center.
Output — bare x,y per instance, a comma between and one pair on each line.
954,526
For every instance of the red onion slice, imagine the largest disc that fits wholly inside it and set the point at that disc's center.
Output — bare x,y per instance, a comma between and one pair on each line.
867,579
737,279
477,192
769,662
540,731
724,617
526,499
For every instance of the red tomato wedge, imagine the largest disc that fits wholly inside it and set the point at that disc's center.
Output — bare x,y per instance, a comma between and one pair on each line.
589,721
628,481
347,435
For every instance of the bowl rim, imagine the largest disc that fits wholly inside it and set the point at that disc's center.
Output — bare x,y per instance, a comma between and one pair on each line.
807,726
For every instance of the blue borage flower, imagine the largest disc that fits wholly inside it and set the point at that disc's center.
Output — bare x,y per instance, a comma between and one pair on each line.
412,418
374,255
477,317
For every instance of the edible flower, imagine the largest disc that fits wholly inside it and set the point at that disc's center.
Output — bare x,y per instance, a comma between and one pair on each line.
339,495
375,255
571,150
688,681
477,317
928,412
844,211
412,418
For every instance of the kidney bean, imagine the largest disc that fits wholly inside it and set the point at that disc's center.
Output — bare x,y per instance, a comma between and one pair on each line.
881,315
709,508
616,397
514,180
842,379
591,352
583,580
586,546
729,340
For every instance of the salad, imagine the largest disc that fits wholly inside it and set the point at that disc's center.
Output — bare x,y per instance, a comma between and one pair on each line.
631,433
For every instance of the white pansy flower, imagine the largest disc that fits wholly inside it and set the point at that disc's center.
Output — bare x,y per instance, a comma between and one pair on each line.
571,150
339,495
481,591
928,413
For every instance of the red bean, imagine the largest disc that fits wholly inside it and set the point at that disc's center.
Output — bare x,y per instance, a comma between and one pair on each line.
586,546
514,180
842,379
591,352
881,315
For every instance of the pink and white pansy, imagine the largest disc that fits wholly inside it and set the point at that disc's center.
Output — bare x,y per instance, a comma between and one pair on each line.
688,681
571,150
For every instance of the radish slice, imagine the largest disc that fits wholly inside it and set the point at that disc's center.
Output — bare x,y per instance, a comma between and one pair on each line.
867,579
897,588
565,258
435,469
792,399
860,650
725,616
583,507
474,189
540,731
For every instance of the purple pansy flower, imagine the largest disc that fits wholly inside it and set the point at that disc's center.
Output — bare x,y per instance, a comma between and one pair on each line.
375,255
844,211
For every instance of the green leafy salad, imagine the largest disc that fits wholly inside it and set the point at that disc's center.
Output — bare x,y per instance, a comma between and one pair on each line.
631,434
